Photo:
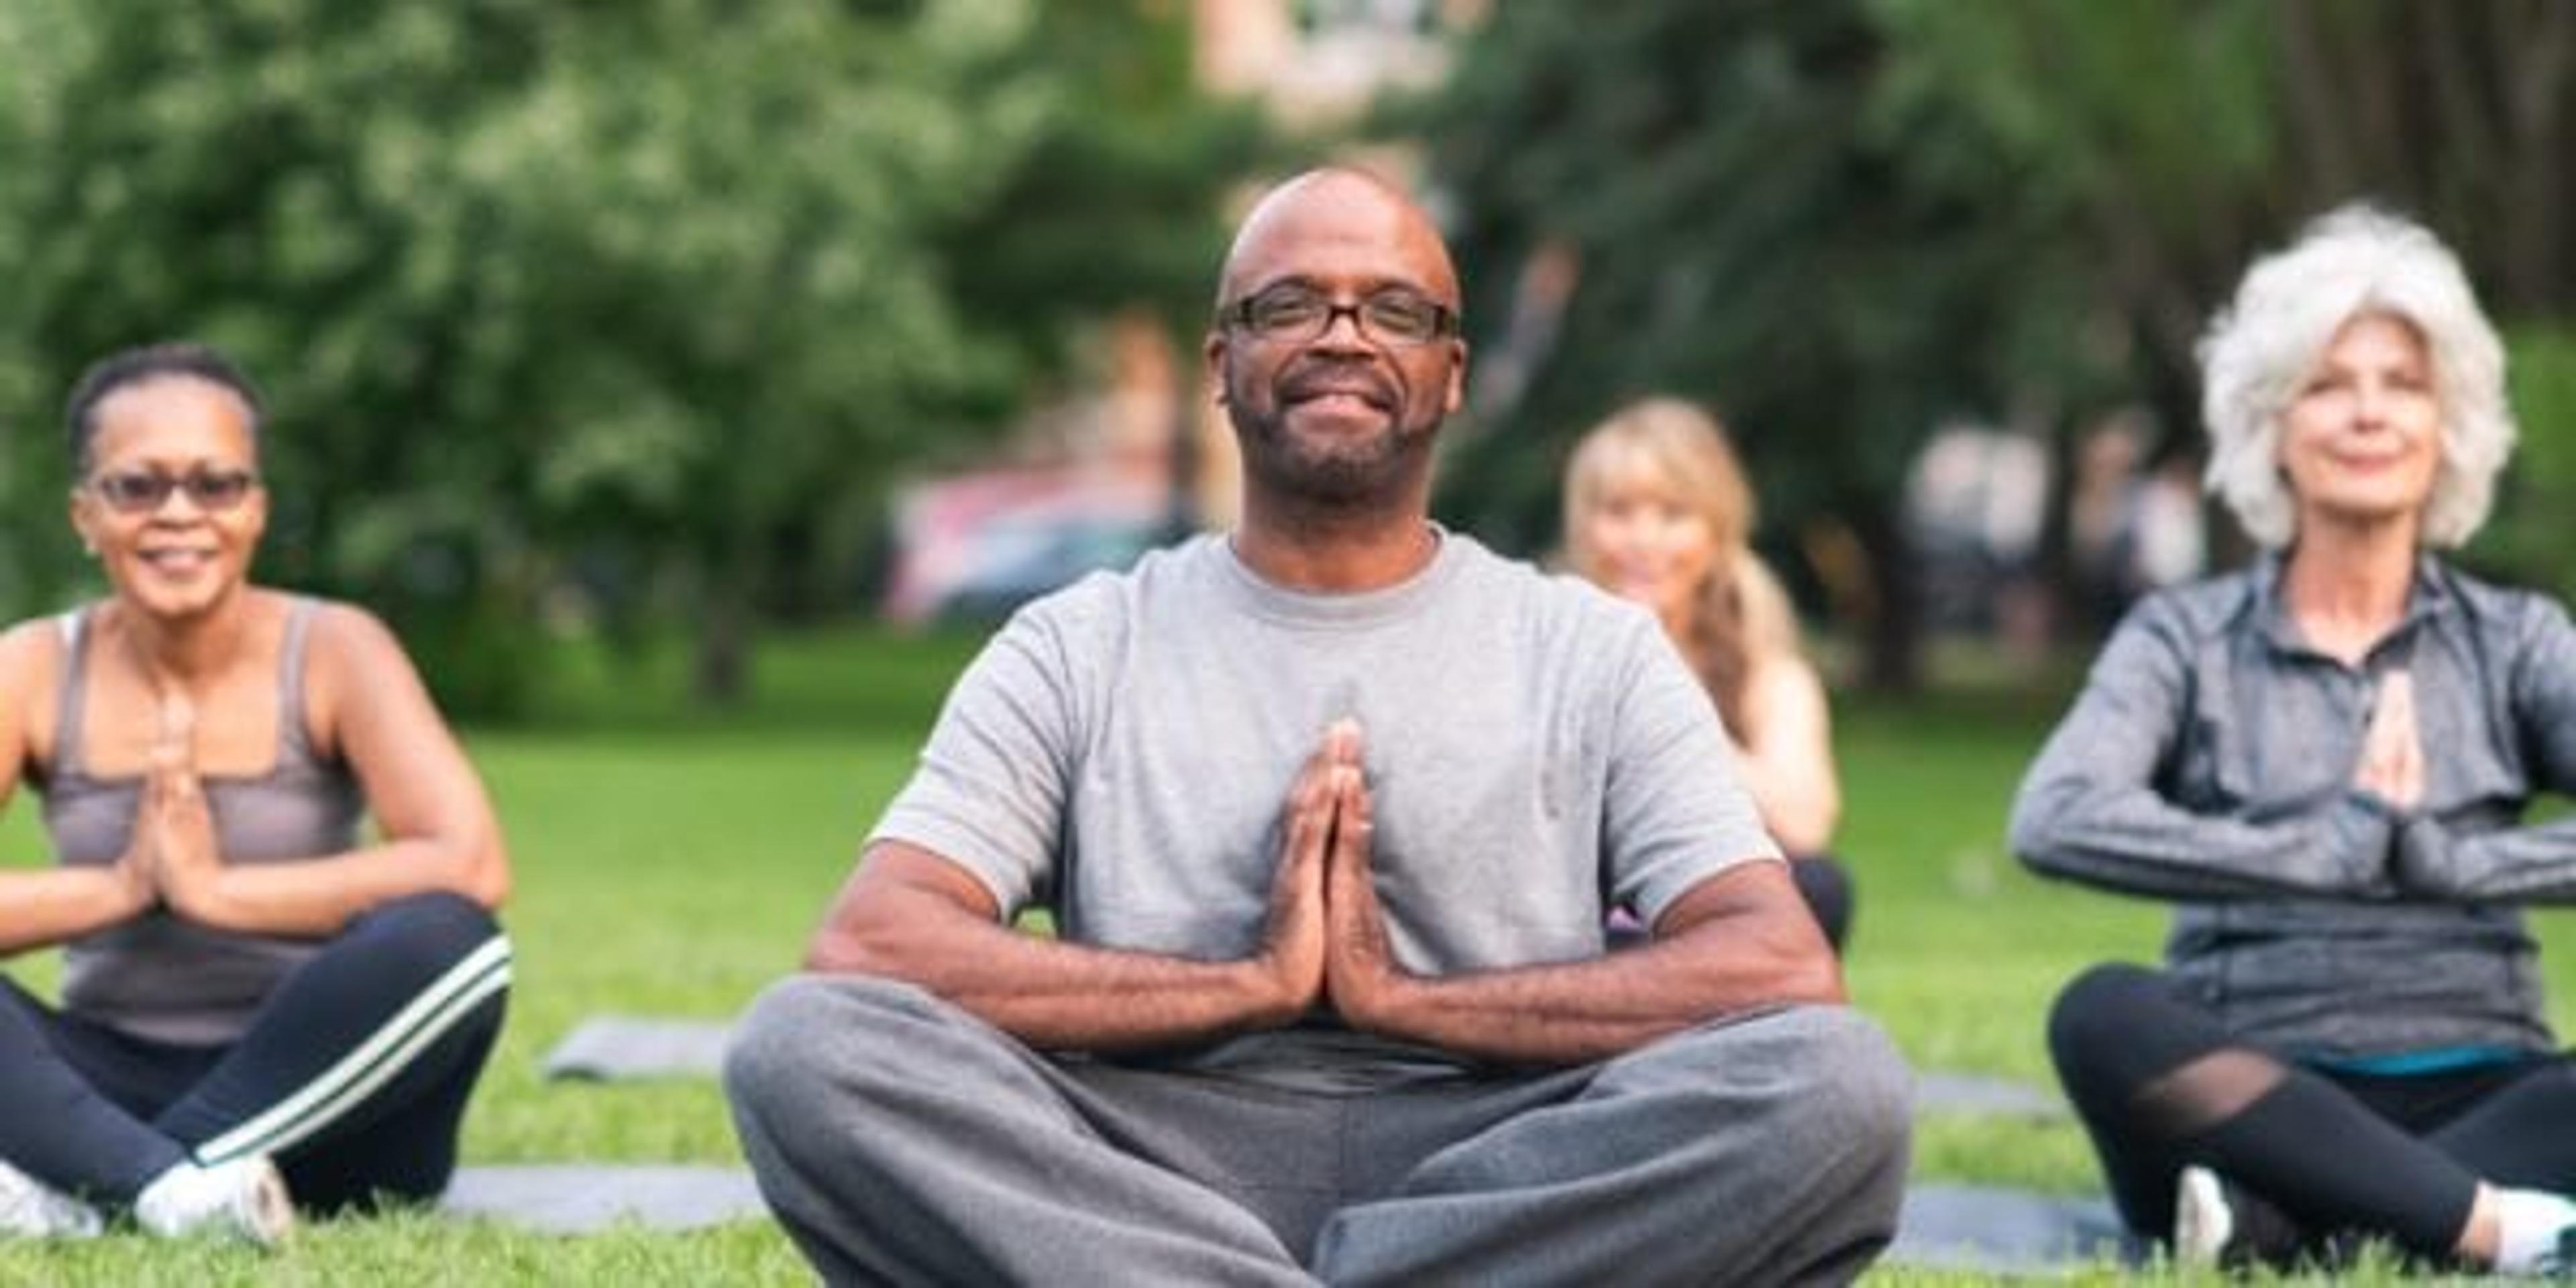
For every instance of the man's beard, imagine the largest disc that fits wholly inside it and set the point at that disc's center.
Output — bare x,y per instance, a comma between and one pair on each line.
1338,472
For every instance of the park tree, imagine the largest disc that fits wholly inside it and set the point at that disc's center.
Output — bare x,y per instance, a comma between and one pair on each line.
1842,222
2174,142
1749,231
646,302
2170,142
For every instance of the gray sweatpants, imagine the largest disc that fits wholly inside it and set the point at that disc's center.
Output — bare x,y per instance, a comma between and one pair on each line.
901,1140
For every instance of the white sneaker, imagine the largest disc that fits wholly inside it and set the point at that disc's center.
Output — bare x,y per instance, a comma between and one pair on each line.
242,1199
2559,1262
2535,1234
2203,1222
31,1209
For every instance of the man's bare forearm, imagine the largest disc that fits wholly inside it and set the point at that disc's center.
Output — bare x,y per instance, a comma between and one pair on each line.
1746,945
900,920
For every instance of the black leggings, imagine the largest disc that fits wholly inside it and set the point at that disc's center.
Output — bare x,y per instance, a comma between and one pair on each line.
2160,1084
1824,885
1827,887
353,1074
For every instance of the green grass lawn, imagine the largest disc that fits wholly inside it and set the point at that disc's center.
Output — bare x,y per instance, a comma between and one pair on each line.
671,864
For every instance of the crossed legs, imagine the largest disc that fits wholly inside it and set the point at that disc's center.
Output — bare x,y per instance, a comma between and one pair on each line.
903,1141
2161,1085
353,1075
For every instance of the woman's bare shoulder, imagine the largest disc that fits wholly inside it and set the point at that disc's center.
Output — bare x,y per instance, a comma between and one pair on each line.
31,668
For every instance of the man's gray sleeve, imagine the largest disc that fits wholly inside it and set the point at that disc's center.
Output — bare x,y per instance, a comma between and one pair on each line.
989,792
1676,811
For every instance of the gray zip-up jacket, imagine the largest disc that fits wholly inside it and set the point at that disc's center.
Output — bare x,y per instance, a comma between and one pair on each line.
2210,761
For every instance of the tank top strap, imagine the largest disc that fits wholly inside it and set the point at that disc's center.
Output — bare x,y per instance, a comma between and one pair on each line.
292,743
70,701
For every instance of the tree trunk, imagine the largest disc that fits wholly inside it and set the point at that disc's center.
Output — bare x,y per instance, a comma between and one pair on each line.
1892,661
728,601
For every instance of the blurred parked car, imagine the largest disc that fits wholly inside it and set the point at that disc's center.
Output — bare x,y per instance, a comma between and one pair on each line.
974,548
1020,557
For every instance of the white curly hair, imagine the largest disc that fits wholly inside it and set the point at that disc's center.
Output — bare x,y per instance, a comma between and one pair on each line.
2353,260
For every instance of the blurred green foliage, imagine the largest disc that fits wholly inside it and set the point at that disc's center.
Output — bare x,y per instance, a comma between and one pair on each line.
2528,538
1843,222
641,307
643,302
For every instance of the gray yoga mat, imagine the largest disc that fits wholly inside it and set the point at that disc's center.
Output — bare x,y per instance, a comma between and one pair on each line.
578,1198
1994,1230
621,1048
1944,1226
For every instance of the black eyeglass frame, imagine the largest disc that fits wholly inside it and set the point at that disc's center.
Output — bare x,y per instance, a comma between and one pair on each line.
1238,316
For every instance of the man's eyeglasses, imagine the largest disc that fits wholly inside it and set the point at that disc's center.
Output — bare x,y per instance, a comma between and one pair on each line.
1294,314
144,491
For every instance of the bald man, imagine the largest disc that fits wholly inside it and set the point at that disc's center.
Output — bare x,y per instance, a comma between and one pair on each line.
1327,811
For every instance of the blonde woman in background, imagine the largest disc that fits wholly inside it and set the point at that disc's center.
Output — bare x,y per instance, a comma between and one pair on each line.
1657,510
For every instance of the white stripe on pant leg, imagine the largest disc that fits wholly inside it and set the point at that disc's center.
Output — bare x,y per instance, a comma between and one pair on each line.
373,1062
369,1080
396,1061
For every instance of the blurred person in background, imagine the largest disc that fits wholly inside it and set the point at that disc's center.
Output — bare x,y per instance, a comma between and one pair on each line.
1658,511
2324,761
256,1002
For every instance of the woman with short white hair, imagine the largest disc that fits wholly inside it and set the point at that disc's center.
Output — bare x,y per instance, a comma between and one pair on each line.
2323,760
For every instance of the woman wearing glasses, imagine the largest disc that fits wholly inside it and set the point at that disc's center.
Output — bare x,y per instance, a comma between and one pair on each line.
1657,510
256,1001
2324,762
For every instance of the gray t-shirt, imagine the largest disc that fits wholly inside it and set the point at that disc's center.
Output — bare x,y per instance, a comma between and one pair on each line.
1122,751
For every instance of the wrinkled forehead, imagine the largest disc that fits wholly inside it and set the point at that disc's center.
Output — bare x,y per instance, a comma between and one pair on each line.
1339,230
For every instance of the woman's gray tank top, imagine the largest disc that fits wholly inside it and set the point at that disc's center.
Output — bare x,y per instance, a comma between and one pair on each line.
157,976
